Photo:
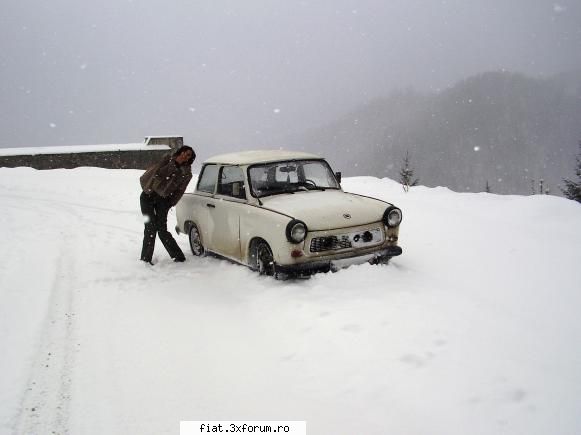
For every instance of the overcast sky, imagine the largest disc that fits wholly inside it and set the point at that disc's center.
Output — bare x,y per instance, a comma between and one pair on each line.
243,73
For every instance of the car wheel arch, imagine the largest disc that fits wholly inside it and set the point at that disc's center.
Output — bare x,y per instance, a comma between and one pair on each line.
188,225
251,251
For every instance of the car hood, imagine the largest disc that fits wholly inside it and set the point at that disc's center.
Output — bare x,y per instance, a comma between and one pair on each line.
325,210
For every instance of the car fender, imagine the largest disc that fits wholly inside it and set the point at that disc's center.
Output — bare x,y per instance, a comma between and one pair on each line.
268,225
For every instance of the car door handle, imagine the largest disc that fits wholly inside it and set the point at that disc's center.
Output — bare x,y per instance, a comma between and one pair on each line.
211,205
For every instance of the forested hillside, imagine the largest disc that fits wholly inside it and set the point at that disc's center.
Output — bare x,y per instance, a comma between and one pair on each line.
506,129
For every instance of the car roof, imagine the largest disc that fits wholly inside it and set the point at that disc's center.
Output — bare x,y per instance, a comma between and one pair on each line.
260,156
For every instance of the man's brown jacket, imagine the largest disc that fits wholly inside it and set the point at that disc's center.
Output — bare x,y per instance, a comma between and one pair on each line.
166,178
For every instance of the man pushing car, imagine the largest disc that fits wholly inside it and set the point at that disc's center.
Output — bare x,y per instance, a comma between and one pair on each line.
163,185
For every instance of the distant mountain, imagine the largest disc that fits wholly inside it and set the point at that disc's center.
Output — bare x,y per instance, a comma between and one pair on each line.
504,128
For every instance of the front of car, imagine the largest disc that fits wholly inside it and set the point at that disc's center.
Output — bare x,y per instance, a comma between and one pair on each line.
326,227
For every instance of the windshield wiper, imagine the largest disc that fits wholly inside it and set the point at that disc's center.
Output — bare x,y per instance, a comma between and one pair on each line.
277,192
288,190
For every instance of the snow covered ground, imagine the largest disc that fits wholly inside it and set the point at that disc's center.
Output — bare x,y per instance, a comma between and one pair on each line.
475,329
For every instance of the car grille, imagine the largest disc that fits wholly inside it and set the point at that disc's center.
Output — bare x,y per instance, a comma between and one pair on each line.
320,244
355,240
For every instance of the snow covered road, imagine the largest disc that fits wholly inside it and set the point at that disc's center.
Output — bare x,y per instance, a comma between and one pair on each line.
474,329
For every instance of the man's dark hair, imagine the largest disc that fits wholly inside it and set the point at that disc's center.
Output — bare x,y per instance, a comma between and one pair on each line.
185,148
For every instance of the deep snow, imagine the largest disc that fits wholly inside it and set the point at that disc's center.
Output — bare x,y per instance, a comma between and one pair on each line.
475,329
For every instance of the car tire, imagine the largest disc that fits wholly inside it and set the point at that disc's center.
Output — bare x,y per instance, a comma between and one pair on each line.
196,241
264,259
381,260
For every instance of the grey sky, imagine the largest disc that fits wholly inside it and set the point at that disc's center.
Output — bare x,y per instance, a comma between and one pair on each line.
244,73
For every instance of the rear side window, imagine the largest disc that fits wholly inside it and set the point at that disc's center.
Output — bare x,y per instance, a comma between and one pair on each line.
208,179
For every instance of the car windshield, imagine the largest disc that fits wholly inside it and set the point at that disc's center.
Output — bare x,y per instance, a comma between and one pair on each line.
291,176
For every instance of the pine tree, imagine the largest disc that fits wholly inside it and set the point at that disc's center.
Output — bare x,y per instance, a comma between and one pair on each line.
406,174
572,188
487,187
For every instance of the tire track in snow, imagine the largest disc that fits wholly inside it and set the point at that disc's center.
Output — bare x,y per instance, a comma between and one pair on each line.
54,201
45,405
72,209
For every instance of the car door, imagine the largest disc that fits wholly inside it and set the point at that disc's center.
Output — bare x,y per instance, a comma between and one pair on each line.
225,210
204,203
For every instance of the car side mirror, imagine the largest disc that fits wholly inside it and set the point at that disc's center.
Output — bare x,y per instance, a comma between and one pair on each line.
338,177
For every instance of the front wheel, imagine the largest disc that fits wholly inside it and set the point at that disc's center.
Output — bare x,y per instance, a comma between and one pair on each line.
381,260
264,259
196,242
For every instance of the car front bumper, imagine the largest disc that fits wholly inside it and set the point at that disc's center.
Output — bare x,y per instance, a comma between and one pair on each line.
337,263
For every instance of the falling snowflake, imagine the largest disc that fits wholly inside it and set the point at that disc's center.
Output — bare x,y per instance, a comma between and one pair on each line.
276,110
52,125
192,109
559,8
476,148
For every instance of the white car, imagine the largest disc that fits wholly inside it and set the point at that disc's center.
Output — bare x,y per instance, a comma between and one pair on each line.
284,213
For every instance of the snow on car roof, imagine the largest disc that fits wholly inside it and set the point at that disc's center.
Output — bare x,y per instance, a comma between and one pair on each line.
260,156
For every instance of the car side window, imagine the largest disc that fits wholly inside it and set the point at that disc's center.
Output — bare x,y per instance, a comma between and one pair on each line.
231,182
207,181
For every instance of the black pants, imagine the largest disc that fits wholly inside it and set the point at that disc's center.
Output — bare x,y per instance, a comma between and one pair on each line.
155,209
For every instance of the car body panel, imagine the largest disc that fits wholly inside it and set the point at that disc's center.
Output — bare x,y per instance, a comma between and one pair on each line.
260,223
323,210
224,220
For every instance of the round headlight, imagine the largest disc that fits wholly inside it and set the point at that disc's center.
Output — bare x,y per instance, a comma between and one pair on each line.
296,231
392,217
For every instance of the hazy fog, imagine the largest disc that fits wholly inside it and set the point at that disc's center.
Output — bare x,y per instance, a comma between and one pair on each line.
245,73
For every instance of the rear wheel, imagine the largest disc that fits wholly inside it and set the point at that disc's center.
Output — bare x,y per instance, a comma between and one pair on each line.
196,242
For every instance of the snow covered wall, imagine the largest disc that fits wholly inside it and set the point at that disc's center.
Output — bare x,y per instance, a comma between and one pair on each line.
110,156
475,329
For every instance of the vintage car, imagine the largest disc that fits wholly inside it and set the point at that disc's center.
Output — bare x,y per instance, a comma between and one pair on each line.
284,213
